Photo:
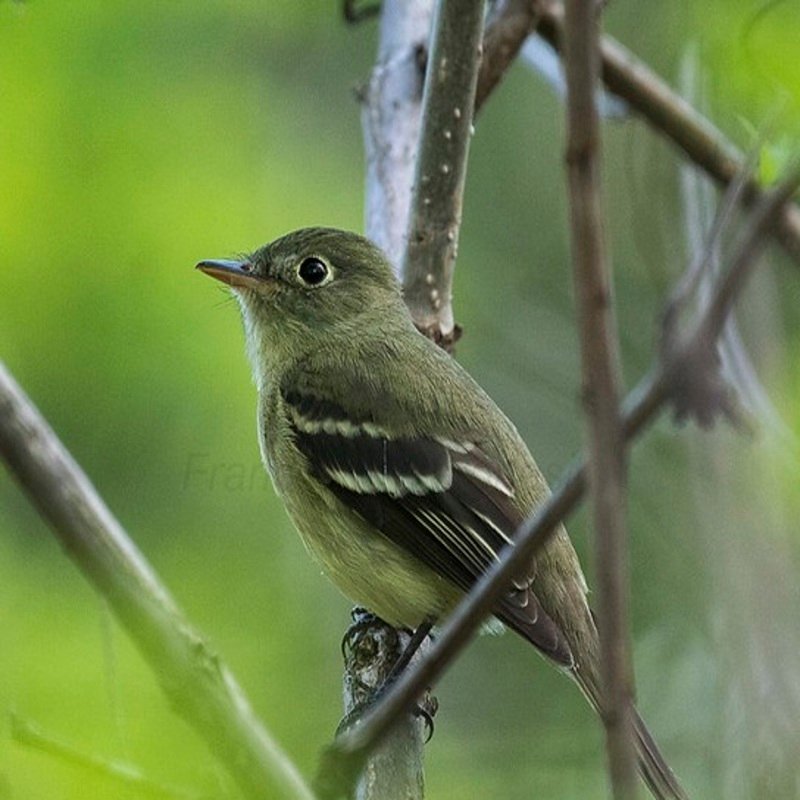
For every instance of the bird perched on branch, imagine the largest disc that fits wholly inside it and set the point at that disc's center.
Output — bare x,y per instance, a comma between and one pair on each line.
402,476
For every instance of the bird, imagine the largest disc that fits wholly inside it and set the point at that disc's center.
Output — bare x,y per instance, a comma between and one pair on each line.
402,476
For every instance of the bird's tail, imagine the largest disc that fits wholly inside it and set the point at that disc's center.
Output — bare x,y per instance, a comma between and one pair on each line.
655,771
653,768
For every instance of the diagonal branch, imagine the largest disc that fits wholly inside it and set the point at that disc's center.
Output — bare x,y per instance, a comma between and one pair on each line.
732,282
199,686
507,28
669,114
130,776
642,406
601,389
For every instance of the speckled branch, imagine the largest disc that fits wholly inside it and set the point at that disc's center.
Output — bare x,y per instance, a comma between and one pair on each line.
435,220
198,685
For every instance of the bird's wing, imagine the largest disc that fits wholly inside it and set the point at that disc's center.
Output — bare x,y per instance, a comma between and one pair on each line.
444,501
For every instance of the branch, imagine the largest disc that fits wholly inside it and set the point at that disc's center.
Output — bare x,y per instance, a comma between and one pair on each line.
391,119
714,391
732,282
448,103
392,104
506,31
601,389
670,115
392,124
642,406
27,734
199,686
394,770
699,389
705,398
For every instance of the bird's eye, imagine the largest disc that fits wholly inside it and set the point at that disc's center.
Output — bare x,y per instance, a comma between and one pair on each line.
313,271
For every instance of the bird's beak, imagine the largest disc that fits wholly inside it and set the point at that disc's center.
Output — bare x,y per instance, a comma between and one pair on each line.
237,274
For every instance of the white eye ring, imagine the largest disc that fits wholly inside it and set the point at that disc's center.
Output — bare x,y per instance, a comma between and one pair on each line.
314,272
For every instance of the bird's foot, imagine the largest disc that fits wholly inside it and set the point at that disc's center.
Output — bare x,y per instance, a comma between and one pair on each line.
367,648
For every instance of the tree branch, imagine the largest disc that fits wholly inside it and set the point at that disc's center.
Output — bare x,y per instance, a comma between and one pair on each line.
732,282
730,387
703,391
199,686
601,389
394,770
26,734
669,114
392,104
435,220
393,130
642,406
391,119
507,29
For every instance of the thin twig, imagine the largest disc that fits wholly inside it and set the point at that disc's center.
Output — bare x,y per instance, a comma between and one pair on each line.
601,390
703,240
26,734
507,28
732,281
692,291
702,258
199,686
642,406
355,14
392,102
699,389
435,220
670,115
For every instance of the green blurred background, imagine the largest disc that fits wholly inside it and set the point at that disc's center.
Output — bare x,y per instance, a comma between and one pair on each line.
138,138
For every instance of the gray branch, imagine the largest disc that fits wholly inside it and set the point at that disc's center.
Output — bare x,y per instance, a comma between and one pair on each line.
391,120
197,683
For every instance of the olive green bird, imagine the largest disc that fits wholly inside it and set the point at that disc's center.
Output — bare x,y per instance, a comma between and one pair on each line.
402,476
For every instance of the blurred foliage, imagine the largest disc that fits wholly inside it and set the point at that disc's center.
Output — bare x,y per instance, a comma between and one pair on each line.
138,138
751,50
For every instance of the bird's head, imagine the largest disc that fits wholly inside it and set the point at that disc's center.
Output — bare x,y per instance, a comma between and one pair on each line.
307,289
